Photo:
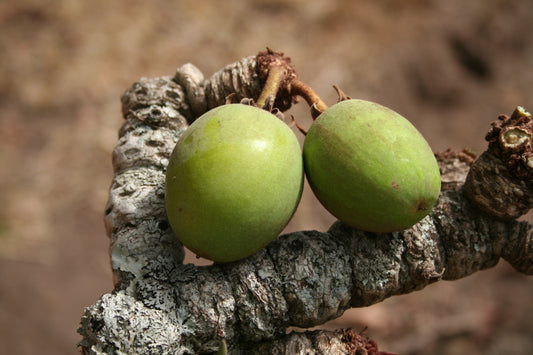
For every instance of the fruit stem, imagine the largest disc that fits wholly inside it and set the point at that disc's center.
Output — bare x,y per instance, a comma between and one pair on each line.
317,105
223,350
275,75
300,128
341,94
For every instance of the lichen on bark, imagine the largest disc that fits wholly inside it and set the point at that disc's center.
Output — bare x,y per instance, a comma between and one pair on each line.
160,305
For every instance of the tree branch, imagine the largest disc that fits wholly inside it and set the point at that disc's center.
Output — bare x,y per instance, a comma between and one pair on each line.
302,279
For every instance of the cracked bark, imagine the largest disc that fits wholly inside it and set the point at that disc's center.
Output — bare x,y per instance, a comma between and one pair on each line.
159,305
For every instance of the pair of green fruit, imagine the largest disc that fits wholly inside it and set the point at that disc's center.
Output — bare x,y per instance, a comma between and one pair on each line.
235,177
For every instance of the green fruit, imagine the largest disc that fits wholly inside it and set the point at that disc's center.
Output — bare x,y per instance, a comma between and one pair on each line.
370,167
233,182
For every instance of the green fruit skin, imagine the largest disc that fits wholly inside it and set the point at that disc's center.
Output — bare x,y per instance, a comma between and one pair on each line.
233,182
370,167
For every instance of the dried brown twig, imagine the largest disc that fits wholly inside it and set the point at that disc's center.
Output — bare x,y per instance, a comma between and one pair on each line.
302,279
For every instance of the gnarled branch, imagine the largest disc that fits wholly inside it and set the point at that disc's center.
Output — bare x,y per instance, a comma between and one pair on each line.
302,279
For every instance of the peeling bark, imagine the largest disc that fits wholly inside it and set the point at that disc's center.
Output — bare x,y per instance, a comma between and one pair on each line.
302,279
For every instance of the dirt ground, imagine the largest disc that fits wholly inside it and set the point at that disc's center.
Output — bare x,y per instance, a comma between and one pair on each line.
451,67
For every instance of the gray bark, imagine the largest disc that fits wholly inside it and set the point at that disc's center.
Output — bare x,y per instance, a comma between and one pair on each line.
161,306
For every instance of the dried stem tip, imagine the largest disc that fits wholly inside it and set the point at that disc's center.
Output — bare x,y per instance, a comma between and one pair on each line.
500,181
510,139
277,75
270,59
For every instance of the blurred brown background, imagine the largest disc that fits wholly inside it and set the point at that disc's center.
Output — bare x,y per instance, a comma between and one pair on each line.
449,66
